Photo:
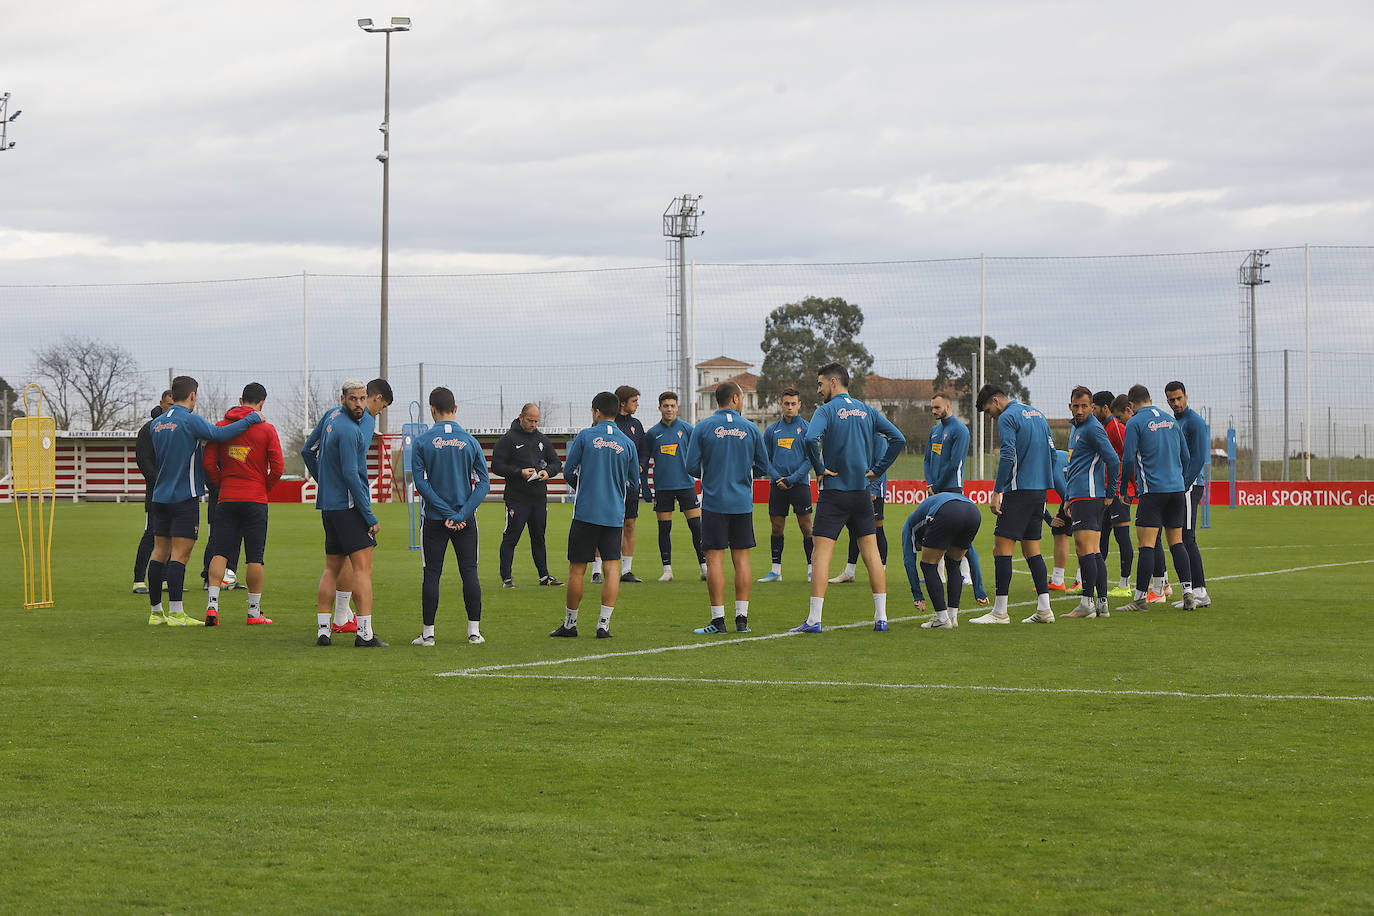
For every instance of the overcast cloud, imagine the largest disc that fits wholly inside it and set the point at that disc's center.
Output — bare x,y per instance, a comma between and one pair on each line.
172,141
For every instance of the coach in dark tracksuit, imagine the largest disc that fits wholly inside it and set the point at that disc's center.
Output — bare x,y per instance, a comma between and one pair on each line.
526,459
147,466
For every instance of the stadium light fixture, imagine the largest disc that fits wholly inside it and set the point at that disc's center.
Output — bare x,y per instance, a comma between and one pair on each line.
6,120
398,24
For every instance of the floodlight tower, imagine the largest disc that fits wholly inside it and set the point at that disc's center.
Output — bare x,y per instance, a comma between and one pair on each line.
679,225
398,24
6,119
1251,274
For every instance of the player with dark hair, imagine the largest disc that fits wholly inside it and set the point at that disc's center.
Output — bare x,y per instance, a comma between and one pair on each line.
603,467
628,396
940,530
842,445
1024,472
450,473
178,434
784,441
244,469
1195,433
726,451
147,466
526,459
946,452
667,442
1156,456
1116,522
1090,487
377,397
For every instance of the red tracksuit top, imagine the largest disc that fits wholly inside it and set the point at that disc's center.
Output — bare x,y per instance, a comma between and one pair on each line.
246,467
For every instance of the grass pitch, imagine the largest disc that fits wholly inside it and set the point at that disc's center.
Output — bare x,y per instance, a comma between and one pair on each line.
1149,762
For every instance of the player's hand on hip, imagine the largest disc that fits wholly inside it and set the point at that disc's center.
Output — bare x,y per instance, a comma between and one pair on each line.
830,473
372,532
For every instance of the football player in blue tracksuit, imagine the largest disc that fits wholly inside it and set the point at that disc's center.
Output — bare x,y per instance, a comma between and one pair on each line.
877,491
940,529
946,452
345,503
379,397
666,443
450,472
1024,473
174,514
1090,486
1155,456
785,442
841,444
727,452
603,466
1199,440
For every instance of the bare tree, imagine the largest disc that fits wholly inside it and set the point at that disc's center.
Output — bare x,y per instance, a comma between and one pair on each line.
87,378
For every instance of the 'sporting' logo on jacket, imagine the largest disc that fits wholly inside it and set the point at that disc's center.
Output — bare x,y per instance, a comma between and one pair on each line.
1030,412
163,427
846,413
735,431
441,442
615,446
1155,425
786,443
668,448
239,452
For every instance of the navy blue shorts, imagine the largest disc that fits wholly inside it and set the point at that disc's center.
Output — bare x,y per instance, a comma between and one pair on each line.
175,520
796,497
345,532
1087,514
840,509
1161,510
1118,513
245,522
954,526
586,539
727,530
1022,517
685,499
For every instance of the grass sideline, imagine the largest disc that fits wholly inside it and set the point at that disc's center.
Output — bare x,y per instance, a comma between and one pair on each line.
243,769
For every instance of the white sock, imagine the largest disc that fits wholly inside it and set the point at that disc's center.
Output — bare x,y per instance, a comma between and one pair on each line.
323,620
175,607
341,611
808,572
1042,602
596,566
944,576
850,569
365,626
777,569
703,569
569,617
1157,585
879,606
1200,592
156,608
1057,578
952,613
667,569
999,605
427,631
255,604
717,612
964,571
942,616
814,614
212,603
474,627
741,609
1139,595
604,621
625,564
1125,582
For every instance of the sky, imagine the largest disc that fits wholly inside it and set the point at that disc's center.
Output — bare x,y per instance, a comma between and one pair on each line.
168,141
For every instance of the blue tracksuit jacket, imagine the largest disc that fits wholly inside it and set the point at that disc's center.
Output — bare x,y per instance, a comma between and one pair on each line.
450,472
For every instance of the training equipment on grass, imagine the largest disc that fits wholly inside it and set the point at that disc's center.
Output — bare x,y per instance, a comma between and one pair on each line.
410,434
34,450
229,580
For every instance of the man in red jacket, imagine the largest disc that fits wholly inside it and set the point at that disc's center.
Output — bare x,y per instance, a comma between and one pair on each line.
245,468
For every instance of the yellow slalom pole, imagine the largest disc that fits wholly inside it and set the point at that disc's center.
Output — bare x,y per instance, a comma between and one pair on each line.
34,447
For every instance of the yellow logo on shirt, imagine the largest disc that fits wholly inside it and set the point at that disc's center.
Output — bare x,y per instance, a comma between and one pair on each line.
239,452
786,443
668,448
937,447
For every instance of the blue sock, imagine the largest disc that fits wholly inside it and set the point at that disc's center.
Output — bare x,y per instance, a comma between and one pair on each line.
934,587
1145,565
176,579
1182,566
882,544
1039,575
775,544
954,581
1002,575
156,573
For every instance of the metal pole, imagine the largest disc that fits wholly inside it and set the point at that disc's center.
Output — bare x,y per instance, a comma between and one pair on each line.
1307,358
1254,389
982,354
423,398
690,393
684,325
1330,442
305,318
1285,413
386,213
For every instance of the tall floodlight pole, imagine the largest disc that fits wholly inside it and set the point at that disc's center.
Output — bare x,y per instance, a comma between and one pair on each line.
398,24
1252,275
679,225
6,119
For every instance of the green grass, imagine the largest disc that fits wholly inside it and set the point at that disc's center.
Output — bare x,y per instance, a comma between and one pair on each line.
147,769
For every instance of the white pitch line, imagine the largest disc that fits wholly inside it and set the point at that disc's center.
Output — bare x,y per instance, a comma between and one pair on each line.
982,688
548,662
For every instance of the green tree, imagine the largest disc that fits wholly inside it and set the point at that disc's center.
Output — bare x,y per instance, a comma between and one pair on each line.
1006,366
10,407
800,337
